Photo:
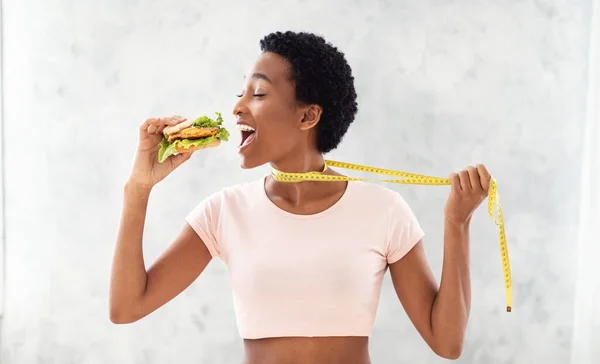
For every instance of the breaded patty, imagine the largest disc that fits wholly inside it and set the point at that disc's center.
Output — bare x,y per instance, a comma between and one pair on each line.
193,133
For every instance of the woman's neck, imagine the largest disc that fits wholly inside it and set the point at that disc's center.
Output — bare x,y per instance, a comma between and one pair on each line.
300,163
298,193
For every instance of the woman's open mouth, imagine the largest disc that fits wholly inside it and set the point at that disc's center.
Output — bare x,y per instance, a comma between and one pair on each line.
248,135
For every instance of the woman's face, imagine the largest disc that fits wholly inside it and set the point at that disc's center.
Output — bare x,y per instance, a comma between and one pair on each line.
273,124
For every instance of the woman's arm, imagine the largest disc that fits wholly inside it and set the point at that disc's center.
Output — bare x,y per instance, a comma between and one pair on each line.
441,314
135,293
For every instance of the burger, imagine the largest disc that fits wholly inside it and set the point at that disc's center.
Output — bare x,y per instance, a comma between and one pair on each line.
192,135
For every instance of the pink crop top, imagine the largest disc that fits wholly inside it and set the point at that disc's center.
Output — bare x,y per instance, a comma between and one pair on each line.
306,275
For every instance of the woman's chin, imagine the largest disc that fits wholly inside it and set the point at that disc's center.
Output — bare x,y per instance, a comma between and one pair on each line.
248,163
249,158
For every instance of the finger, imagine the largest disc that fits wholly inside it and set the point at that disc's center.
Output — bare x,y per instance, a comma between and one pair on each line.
454,182
143,129
158,123
465,183
170,120
161,122
179,119
179,159
474,179
484,176
144,126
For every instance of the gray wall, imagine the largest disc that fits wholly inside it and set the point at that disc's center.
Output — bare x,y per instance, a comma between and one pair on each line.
442,84
586,325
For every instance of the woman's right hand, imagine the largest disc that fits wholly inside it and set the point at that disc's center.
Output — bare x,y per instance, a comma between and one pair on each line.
146,171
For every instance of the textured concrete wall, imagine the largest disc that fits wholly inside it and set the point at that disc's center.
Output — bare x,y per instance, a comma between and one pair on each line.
442,84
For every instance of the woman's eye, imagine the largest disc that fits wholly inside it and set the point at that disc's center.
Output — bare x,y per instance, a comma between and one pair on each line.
255,95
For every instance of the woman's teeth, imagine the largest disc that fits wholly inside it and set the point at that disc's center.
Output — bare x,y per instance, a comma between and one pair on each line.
244,127
247,134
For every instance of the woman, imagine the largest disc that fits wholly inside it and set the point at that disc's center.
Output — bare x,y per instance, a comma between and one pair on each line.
306,260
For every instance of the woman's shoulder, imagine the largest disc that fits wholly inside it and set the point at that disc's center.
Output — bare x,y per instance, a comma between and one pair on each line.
375,198
375,192
235,193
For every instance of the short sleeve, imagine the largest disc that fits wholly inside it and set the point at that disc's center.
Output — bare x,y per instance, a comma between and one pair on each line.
204,219
404,230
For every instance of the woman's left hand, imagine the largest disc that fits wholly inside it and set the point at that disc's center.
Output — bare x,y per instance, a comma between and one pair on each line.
469,188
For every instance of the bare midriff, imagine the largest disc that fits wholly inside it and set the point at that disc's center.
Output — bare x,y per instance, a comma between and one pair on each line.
308,350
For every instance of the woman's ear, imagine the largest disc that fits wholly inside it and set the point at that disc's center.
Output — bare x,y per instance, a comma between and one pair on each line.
311,117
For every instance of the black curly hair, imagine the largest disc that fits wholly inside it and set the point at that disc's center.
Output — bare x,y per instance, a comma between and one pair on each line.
321,76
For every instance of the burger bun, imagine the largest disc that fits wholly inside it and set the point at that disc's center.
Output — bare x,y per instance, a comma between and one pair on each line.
172,129
192,149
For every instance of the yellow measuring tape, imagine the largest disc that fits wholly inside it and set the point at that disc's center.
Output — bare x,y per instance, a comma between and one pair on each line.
414,179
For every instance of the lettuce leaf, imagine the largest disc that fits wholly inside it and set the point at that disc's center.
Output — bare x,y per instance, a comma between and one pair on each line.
206,122
168,149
